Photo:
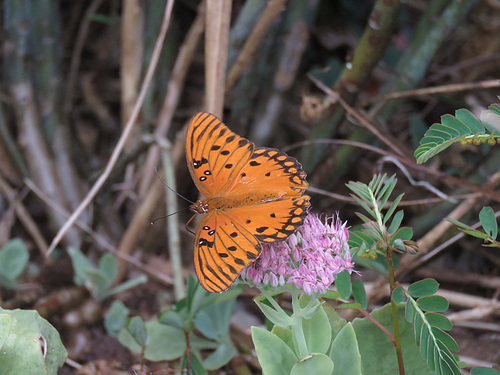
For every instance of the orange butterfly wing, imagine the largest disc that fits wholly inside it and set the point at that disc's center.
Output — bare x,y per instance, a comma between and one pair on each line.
214,153
253,195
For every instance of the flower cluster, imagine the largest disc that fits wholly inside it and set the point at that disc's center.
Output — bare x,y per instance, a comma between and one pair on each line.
310,258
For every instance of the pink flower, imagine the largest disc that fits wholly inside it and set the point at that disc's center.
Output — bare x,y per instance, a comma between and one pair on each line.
310,258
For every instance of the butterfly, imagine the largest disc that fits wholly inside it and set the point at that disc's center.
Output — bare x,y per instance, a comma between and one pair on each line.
254,195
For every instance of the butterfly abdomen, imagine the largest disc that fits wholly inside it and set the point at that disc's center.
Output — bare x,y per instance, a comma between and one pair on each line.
224,203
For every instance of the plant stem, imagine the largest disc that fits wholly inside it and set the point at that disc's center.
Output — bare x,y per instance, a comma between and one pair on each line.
399,352
297,330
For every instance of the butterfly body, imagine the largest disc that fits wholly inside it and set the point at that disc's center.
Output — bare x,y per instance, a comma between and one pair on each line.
253,196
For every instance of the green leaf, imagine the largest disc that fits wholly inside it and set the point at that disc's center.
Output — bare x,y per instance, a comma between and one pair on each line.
386,191
313,364
404,233
460,224
418,327
398,295
213,320
377,351
275,357
343,284
409,311
484,371
164,343
30,345
317,332
137,330
14,257
196,365
489,222
284,334
171,318
445,338
116,318
466,117
278,318
438,320
220,357
441,136
396,221
336,322
5,328
433,303
422,288
81,266
345,352
109,268
455,123
359,293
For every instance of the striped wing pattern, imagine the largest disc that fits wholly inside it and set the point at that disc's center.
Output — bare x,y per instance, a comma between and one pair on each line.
253,196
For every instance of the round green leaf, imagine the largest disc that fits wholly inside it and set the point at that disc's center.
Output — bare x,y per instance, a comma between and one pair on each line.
13,259
171,318
116,318
317,364
275,357
137,329
433,303
489,222
438,320
398,295
165,343
422,288
32,346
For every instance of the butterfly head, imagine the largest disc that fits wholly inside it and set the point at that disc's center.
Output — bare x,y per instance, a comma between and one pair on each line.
200,207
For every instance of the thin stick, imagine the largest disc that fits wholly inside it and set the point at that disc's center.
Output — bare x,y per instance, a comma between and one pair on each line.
174,238
24,216
126,132
174,90
272,10
433,90
100,239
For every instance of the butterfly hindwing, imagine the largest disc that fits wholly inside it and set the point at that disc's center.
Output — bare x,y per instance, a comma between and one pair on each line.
215,155
222,249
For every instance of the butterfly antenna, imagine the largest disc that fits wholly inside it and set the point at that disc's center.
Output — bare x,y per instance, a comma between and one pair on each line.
163,217
172,190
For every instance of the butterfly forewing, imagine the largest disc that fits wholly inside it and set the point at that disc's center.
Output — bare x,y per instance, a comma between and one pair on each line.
215,155
222,249
270,170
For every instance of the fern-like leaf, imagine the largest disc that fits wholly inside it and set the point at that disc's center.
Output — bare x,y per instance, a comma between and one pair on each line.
429,330
464,127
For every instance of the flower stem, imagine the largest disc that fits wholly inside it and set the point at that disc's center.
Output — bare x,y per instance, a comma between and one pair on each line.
397,343
297,326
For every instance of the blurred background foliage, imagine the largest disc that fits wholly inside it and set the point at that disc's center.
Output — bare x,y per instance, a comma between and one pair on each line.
71,74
